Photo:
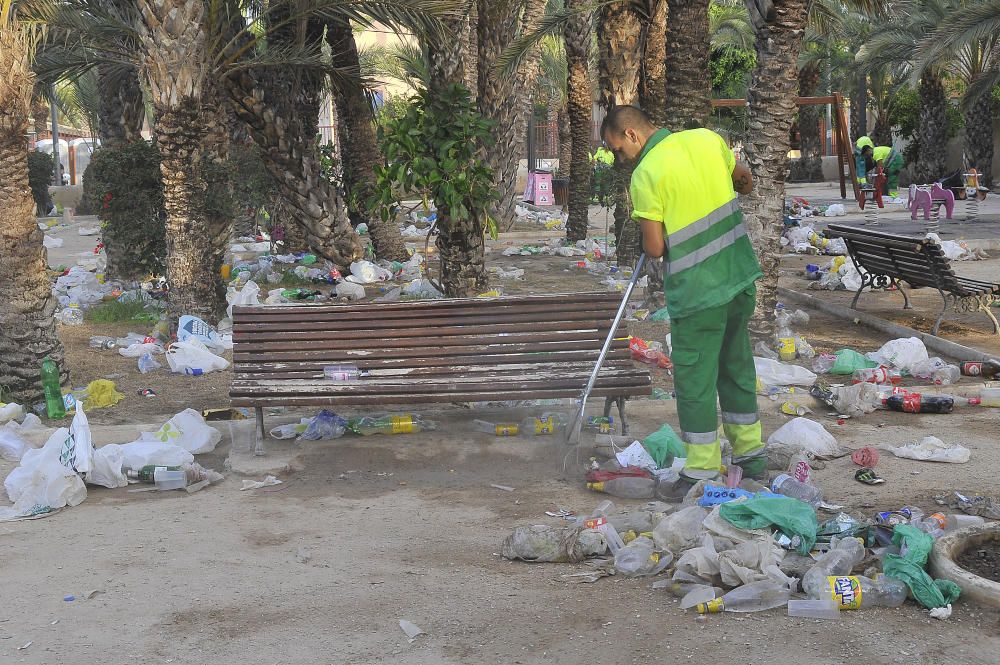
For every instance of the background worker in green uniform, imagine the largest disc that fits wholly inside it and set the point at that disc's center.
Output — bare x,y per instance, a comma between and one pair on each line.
684,197
867,155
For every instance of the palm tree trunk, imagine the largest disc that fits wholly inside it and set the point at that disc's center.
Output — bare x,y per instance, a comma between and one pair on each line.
979,138
460,243
653,91
620,62
809,167
359,145
122,110
506,99
933,130
220,207
580,107
619,47
27,327
772,96
176,62
881,134
859,106
565,143
689,86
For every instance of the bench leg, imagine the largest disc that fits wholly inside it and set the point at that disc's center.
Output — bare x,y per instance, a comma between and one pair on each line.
258,446
854,303
944,308
985,308
906,296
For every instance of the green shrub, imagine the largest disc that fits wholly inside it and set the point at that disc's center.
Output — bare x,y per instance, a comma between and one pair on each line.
40,167
130,204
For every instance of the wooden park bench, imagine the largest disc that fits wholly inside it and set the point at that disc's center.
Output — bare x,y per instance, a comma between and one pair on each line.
886,259
432,351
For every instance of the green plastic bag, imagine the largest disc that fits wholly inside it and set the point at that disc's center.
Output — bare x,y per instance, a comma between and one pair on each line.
793,517
849,360
664,445
928,592
660,315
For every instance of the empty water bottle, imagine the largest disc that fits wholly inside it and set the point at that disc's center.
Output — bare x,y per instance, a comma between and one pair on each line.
788,486
939,524
102,342
147,363
753,597
400,424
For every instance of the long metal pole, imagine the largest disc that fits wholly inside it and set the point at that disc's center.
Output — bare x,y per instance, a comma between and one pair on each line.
56,180
573,431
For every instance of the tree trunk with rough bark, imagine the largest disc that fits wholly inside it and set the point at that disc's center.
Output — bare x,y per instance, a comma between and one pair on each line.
176,62
933,130
506,99
565,143
360,147
27,326
689,86
808,167
580,107
460,243
653,91
859,108
773,103
122,110
881,134
979,138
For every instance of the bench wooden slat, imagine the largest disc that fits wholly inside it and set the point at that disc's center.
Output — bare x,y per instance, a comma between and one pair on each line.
352,321
348,355
268,334
258,365
421,307
247,372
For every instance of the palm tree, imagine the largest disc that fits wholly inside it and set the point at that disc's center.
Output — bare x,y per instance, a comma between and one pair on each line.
970,41
773,104
653,91
809,166
894,46
689,88
354,110
27,326
580,106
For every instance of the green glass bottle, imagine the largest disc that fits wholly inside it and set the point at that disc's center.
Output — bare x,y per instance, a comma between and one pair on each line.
53,392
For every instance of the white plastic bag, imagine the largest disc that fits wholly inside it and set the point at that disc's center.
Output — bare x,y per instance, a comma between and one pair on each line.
193,357
12,447
139,350
188,430
12,411
350,290
776,373
681,530
422,288
191,328
77,448
636,455
145,452
933,449
106,467
903,353
43,482
366,272
808,434
247,296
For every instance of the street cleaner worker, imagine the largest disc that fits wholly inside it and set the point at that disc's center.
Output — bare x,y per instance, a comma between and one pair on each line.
684,197
867,155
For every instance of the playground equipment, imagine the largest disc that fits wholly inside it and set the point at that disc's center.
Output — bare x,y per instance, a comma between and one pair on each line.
929,199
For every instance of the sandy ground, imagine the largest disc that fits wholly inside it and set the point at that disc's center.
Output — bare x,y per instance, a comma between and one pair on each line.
365,532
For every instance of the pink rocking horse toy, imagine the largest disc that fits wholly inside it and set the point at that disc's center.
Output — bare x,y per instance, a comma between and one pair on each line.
929,197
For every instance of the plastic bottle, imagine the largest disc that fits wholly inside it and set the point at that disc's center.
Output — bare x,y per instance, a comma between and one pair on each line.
837,561
53,391
788,486
938,524
990,397
639,558
399,424
852,593
784,337
146,474
945,376
988,369
635,487
72,316
916,403
498,429
877,375
102,342
147,363
548,423
753,597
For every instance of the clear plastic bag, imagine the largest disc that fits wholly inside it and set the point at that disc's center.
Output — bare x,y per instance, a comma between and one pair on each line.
681,530
639,558
326,425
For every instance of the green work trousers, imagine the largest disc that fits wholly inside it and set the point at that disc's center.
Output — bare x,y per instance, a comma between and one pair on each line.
713,363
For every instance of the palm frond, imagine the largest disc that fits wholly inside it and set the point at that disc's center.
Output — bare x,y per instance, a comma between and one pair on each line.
551,24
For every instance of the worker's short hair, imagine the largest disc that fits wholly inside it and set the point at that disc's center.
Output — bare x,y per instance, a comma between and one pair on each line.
868,148
620,118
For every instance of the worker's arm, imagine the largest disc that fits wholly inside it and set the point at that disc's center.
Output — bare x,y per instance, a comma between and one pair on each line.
742,178
652,238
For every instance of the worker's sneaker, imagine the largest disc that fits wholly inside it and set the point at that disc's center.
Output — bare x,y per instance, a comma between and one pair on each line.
754,467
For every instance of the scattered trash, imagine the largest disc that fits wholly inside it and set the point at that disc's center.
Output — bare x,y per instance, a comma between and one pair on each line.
268,481
932,449
411,630
504,488
808,435
866,456
868,477
541,543
193,357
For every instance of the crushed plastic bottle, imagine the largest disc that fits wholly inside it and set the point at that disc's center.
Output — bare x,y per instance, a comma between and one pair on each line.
548,423
102,342
753,597
839,560
877,375
635,487
640,558
147,363
939,524
497,429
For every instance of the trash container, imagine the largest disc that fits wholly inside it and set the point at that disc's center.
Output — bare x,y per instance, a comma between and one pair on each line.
560,190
